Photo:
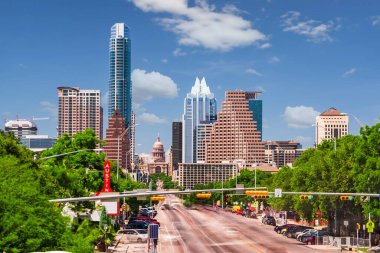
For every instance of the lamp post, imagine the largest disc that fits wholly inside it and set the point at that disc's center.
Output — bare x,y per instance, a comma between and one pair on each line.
68,153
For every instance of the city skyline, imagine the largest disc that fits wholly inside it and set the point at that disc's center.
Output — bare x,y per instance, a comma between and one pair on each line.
303,60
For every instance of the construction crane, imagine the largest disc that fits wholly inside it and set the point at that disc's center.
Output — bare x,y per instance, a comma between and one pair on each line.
44,118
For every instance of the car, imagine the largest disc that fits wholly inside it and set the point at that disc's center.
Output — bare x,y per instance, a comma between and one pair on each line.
278,229
135,235
312,240
304,232
137,225
375,249
269,220
318,233
142,218
292,231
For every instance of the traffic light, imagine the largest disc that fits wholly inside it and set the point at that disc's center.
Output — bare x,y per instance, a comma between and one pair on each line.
346,197
203,195
157,198
258,194
305,197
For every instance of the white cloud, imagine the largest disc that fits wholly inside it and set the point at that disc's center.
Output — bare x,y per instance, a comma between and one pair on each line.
150,118
300,116
375,20
274,60
265,45
178,52
349,72
253,72
315,31
164,60
148,85
201,25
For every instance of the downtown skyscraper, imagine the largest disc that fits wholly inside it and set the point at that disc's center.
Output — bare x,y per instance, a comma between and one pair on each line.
199,107
120,84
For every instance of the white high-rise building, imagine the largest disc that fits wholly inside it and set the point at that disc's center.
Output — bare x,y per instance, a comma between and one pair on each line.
330,124
199,107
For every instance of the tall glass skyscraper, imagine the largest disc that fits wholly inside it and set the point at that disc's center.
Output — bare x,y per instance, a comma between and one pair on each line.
199,107
120,84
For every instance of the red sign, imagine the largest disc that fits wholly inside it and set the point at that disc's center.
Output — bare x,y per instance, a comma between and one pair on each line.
107,178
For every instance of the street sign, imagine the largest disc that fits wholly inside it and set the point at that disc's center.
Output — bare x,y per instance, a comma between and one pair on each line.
370,226
153,231
357,226
345,222
278,193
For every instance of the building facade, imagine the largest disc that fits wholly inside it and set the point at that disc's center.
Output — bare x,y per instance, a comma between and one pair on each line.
38,143
133,141
158,163
117,145
192,174
21,127
120,84
331,124
281,153
256,107
234,136
203,131
176,149
199,106
78,110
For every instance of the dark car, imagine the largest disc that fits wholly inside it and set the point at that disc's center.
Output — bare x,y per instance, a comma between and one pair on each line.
292,231
278,229
269,220
137,225
305,237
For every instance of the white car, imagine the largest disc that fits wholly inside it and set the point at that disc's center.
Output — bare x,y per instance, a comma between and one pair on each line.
375,249
133,235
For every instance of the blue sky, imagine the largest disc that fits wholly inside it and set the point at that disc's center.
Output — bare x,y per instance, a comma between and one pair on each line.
305,56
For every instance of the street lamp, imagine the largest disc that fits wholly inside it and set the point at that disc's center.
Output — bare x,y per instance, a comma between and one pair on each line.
68,153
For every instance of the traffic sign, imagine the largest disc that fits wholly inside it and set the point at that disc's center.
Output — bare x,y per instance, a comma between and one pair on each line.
153,231
278,193
357,226
370,226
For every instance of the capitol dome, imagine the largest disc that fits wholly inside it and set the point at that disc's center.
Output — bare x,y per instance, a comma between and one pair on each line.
158,152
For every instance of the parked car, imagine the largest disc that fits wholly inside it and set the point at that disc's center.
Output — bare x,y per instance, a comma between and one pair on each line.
137,225
135,235
304,232
278,229
375,249
319,233
291,231
312,240
269,220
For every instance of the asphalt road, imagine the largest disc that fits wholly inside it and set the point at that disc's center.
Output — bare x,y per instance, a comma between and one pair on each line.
204,229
